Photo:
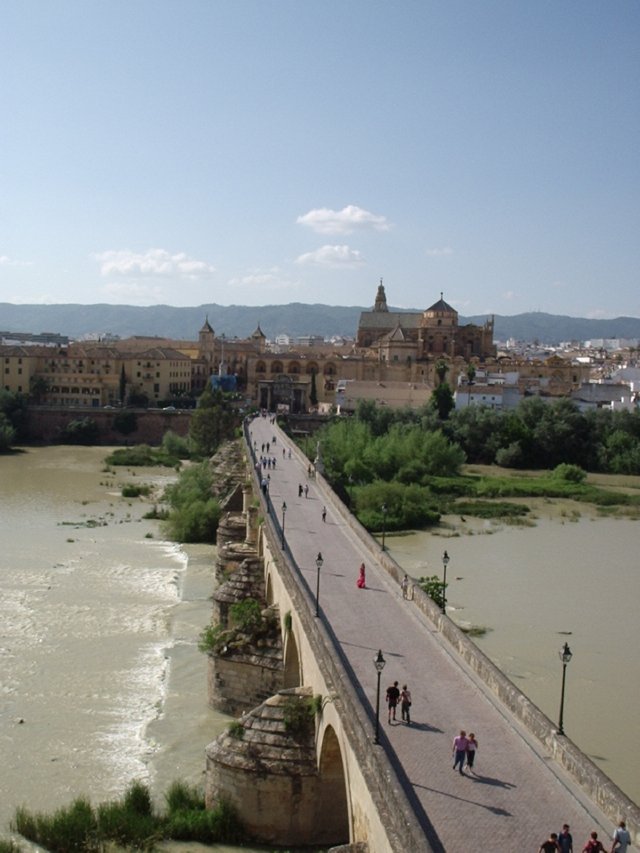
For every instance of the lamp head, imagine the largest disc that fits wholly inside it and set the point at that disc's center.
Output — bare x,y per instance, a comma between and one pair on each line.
566,654
445,559
319,561
379,661
284,506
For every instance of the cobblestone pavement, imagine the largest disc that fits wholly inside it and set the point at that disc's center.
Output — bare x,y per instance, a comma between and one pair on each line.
517,794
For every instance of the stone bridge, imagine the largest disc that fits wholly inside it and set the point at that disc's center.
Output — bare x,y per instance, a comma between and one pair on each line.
335,784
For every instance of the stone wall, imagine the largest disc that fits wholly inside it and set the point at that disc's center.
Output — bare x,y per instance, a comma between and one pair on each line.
45,424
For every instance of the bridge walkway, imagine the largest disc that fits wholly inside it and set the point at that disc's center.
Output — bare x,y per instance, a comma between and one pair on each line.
517,794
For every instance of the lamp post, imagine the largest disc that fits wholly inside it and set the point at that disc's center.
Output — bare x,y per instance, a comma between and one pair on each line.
445,563
565,657
384,523
284,512
319,562
379,663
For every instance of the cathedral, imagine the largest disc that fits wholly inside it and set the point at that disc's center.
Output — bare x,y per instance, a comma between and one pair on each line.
422,336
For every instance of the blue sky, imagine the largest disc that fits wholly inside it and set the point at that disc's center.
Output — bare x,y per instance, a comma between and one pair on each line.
271,151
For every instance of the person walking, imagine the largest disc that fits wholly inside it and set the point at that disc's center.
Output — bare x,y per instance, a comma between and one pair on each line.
361,583
393,694
621,838
550,845
405,704
565,839
472,746
593,845
300,490
324,513
405,586
306,490
460,750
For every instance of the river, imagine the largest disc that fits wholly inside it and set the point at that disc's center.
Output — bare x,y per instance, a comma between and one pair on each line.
101,681
570,578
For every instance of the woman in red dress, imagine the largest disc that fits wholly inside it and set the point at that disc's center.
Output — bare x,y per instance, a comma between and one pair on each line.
361,582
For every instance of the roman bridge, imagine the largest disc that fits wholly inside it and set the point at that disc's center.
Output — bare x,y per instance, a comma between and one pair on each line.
401,793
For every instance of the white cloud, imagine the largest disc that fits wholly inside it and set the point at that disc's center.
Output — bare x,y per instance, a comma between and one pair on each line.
6,261
597,314
325,221
153,262
508,294
263,281
332,256
439,253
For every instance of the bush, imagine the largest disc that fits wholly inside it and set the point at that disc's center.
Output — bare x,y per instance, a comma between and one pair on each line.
129,490
183,797
434,588
69,829
570,473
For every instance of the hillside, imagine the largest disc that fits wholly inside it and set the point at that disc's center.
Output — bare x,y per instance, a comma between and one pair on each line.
293,319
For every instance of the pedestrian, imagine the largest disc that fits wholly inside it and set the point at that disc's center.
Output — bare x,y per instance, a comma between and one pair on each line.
273,440
273,462
306,490
324,513
300,490
405,586
262,448
361,583
284,452
621,838
460,750
289,453
309,470
550,845
267,445
265,485
405,704
393,694
593,845
472,746
565,839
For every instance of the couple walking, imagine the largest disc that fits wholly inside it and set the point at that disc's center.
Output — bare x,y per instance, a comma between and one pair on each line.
395,695
464,749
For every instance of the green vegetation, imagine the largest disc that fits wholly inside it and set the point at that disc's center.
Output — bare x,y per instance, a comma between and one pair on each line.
249,623
130,490
13,419
236,730
80,431
125,421
130,823
194,512
214,421
298,715
410,461
434,588
9,847
169,455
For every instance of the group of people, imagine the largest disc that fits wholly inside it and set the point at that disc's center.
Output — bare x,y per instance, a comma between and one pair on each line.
563,841
403,697
464,747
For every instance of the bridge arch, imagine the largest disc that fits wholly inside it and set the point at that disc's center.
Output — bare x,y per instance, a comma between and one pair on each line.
292,663
332,801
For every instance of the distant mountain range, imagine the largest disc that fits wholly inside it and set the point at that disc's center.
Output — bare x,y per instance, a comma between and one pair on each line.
294,319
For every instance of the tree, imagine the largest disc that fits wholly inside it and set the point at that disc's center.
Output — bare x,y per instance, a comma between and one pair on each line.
7,434
442,400
313,392
213,421
122,390
125,422
441,369
38,388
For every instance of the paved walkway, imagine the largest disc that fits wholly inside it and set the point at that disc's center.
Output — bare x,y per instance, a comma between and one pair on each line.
517,794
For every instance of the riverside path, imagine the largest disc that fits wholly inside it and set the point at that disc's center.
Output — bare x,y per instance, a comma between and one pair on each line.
517,794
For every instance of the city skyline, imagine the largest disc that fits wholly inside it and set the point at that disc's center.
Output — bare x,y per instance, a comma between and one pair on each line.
268,151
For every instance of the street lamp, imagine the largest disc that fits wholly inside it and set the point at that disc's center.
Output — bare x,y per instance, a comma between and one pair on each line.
319,562
284,512
379,663
384,522
565,657
445,563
